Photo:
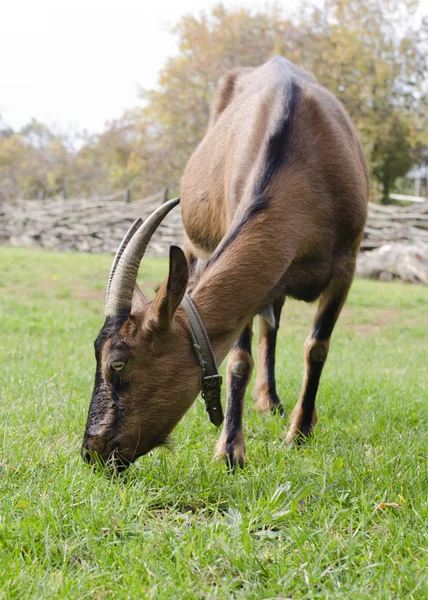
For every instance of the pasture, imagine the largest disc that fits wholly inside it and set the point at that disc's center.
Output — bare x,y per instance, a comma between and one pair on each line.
345,516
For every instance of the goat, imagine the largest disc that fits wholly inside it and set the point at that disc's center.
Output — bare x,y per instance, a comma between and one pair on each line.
274,202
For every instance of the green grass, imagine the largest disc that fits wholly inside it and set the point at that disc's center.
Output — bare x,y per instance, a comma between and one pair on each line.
299,523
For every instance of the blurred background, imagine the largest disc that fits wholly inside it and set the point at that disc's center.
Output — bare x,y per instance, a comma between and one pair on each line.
101,96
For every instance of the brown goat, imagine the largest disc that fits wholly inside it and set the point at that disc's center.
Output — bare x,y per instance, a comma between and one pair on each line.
274,202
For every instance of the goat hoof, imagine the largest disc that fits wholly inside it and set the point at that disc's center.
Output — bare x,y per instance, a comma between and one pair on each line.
298,436
278,409
234,457
231,453
266,402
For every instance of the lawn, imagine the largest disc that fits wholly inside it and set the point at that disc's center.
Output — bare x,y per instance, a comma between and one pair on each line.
310,522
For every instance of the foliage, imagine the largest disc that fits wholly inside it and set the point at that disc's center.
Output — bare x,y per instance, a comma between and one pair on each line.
392,154
5,130
370,53
372,56
177,112
299,523
33,160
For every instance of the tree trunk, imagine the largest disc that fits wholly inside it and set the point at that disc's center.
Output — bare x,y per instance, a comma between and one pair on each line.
385,190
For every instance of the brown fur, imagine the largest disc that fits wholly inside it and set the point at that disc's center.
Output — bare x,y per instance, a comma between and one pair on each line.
302,244
305,243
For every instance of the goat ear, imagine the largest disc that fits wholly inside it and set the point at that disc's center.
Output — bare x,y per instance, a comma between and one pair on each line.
171,292
139,301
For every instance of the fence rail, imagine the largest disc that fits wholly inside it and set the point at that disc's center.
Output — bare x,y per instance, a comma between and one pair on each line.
386,224
407,198
98,225
86,225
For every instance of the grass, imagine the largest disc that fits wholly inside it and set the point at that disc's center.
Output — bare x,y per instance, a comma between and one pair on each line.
299,523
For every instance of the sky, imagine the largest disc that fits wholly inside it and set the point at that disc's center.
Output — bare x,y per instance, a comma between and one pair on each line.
75,64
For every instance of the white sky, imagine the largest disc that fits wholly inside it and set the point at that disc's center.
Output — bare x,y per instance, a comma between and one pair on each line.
78,63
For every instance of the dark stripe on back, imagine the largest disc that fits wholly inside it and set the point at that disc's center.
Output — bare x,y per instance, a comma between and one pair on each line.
280,143
257,206
279,151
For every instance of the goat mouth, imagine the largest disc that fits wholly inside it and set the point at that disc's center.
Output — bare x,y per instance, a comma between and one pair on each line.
118,465
114,462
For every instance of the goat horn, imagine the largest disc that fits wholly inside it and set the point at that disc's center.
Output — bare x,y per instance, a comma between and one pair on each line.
125,266
128,235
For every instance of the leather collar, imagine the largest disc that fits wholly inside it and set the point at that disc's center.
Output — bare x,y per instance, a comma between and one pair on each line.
211,380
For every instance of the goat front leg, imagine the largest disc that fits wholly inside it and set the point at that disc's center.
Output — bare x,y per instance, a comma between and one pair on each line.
265,388
231,445
304,416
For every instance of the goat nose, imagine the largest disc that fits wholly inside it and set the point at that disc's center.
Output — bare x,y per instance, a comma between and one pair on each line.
87,456
94,455
93,449
91,453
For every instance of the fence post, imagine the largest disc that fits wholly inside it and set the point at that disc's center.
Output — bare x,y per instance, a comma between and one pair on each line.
63,193
41,194
165,196
127,197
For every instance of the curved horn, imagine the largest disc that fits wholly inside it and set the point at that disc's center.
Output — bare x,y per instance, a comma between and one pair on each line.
124,276
127,237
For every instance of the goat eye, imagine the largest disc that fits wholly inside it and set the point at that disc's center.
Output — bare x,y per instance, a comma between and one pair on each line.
118,365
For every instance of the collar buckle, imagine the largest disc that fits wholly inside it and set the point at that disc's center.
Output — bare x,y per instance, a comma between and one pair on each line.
211,393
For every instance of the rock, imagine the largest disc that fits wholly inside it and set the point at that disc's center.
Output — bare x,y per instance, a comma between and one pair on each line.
405,261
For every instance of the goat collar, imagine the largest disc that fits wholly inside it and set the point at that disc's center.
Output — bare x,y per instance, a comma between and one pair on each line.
211,380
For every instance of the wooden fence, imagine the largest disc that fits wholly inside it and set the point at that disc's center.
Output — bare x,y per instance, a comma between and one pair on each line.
98,225
386,224
85,225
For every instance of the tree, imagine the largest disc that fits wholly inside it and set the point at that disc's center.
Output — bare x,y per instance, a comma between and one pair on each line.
370,53
391,154
5,130
34,160
373,57
367,52
174,116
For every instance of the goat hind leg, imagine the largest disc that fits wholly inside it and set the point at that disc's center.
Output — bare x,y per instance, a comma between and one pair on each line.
231,445
265,388
304,416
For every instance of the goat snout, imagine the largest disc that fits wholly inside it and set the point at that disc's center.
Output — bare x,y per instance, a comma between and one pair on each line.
95,451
